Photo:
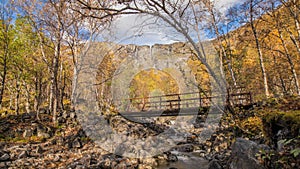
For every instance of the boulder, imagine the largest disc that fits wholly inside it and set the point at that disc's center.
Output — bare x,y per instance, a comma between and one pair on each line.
243,154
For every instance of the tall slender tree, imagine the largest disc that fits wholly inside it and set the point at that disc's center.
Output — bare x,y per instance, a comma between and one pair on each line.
6,17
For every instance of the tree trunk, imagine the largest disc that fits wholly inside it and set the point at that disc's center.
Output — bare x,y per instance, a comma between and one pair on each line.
223,51
17,99
294,40
63,87
288,56
296,18
3,81
292,8
11,100
259,52
282,83
38,94
60,87
5,60
74,87
54,85
27,104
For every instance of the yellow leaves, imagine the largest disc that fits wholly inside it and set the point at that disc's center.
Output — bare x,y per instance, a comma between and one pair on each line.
149,81
200,72
252,124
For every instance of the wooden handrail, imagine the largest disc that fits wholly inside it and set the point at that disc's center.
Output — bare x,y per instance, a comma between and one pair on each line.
196,99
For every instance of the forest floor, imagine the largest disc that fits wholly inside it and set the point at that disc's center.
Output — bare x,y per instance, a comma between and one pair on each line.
263,136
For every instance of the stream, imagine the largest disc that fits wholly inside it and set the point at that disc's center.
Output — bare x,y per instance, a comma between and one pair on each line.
185,161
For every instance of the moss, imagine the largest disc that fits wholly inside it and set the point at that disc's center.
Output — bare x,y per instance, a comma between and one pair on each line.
253,125
289,119
276,120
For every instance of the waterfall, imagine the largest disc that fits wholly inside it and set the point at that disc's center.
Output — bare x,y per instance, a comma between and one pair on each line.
151,57
135,52
150,47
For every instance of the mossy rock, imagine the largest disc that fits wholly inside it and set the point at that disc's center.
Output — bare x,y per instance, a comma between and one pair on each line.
290,119
274,121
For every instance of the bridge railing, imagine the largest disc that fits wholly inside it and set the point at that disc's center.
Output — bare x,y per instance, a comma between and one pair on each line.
184,100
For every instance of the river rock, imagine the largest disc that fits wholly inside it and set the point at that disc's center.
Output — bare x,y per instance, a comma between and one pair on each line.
149,161
185,148
27,133
76,143
39,150
4,156
56,158
214,164
243,154
42,132
61,120
143,166
72,115
172,157
43,135
3,165
65,114
25,117
23,154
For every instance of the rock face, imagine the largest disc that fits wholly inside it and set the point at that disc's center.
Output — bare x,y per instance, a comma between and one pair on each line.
243,154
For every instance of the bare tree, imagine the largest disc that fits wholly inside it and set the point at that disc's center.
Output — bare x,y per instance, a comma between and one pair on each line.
80,35
294,9
48,20
249,13
215,21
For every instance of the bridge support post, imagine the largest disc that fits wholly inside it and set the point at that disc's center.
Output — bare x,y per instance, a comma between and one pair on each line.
160,103
178,101
200,100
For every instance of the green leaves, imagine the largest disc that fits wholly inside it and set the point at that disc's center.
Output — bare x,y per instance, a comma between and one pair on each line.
295,152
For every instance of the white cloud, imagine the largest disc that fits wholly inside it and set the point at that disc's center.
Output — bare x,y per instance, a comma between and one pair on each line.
223,5
140,29
144,30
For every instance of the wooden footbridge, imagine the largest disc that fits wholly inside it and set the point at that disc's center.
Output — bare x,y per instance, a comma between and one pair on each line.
185,103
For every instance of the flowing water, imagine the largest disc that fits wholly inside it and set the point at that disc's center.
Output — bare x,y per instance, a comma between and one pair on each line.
186,161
